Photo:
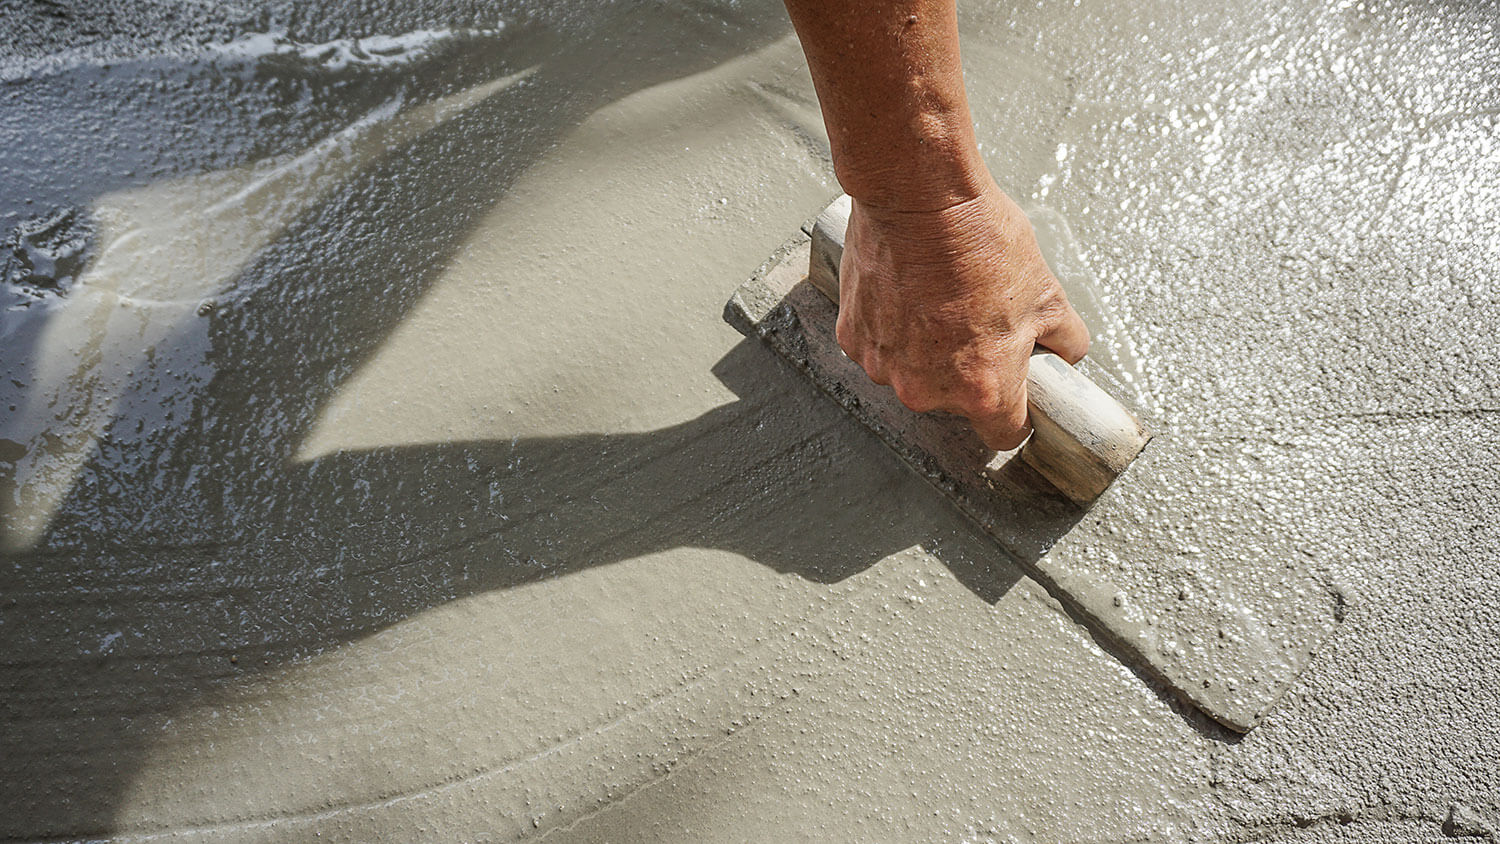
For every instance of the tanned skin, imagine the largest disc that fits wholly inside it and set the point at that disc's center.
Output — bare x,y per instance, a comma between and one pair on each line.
943,291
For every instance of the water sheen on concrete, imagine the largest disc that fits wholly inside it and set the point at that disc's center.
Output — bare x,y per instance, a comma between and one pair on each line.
374,463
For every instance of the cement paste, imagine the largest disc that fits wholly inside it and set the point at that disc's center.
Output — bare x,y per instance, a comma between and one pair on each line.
375,464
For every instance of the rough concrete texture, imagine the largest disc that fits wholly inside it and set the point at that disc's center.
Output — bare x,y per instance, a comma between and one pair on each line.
423,496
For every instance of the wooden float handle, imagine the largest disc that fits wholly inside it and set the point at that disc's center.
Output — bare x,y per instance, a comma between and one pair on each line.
1081,439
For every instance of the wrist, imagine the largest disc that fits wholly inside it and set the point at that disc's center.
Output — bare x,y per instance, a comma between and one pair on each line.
969,226
932,168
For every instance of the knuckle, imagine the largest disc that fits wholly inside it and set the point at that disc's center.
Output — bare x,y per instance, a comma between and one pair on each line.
979,401
916,397
1052,315
1003,413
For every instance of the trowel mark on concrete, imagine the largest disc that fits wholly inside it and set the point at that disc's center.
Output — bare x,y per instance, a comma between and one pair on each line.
207,631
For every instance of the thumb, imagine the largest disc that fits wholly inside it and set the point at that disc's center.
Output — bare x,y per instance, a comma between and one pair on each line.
1066,336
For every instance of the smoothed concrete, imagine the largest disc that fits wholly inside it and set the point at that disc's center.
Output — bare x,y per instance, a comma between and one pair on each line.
448,509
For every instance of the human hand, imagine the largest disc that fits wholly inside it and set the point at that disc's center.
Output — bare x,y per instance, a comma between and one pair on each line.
945,306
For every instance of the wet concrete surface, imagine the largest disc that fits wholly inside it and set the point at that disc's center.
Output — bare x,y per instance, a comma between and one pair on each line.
378,466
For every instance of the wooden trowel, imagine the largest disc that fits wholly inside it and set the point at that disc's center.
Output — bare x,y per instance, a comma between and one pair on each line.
1082,437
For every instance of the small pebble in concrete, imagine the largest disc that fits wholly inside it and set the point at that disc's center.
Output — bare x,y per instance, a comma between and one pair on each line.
1464,822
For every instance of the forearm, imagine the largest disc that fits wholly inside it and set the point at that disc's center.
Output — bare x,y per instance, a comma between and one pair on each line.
891,87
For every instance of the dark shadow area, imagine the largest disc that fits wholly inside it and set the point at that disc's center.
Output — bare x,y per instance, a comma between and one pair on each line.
193,548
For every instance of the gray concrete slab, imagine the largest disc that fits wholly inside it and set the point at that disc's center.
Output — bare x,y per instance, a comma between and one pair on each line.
430,500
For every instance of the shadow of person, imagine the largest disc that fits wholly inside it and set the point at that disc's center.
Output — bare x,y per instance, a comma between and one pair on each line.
174,153
192,533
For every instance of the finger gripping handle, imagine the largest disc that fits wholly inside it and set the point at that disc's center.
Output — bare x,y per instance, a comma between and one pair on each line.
1082,437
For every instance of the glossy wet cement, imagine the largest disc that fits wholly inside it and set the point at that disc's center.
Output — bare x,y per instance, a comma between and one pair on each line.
377,465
